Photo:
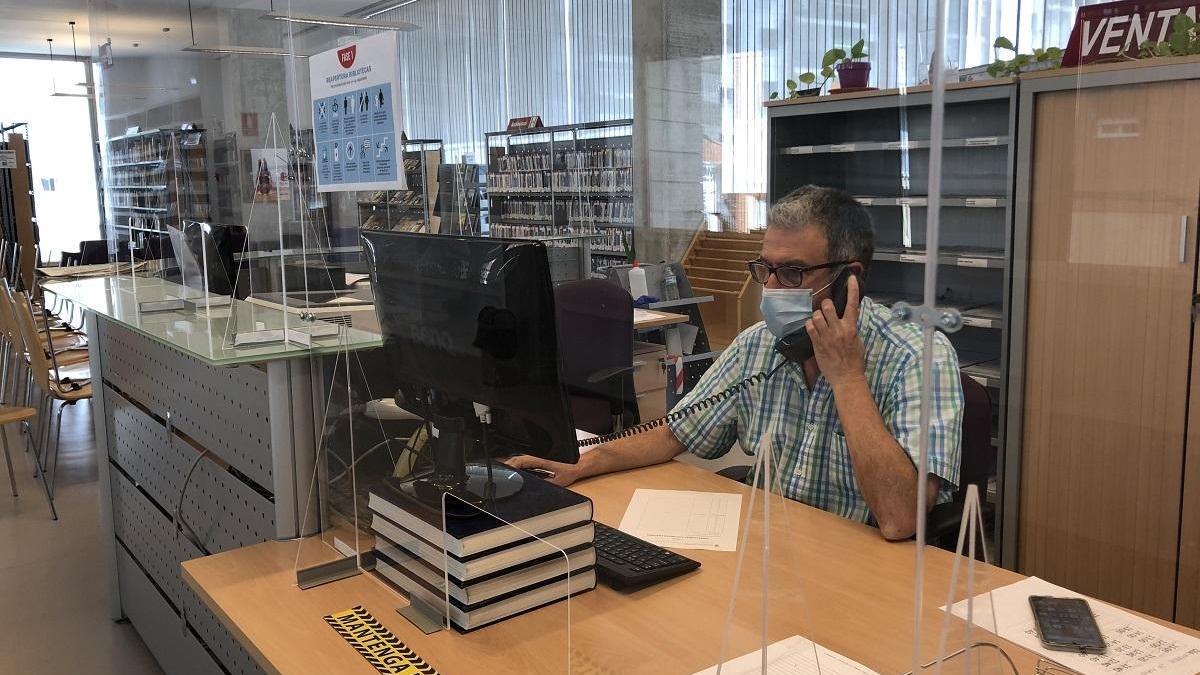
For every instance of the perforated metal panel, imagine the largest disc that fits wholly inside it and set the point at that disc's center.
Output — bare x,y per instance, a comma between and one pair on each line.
224,409
177,650
149,536
224,512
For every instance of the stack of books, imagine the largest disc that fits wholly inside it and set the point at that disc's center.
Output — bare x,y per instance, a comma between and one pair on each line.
491,566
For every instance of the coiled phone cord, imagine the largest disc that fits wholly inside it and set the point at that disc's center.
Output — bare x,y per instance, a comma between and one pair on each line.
696,407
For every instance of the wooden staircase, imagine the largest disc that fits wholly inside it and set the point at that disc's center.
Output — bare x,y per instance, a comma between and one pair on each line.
716,265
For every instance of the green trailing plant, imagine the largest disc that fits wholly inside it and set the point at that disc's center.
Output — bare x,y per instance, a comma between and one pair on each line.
1020,62
1184,40
793,86
829,63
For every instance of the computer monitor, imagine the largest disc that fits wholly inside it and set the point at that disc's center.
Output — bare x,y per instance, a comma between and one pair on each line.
469,322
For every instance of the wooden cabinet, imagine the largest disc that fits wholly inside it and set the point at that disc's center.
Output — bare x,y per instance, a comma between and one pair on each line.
1111,195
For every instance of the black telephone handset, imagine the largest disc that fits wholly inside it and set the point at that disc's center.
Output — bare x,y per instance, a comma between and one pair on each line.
798,346
795,347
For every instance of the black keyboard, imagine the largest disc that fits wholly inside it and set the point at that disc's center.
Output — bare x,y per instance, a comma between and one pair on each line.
623,560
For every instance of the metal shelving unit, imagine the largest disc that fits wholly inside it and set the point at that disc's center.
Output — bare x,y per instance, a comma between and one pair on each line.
877,148
156,178
409,210
567,180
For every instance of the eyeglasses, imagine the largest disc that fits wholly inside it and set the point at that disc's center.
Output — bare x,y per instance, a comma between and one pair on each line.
789,276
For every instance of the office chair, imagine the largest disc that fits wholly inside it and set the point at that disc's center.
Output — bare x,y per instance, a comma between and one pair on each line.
155,246
977,464
93,252
595,341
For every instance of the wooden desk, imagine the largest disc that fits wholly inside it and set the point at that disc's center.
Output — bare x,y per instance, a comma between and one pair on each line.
833,581
651,318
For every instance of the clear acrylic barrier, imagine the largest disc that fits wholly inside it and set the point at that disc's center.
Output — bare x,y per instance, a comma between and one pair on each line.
1098,474
1065,241
529,573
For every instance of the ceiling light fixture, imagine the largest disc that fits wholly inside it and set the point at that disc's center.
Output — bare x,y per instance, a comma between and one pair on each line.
232,49
126,87
54,79
245,50
74,51
388,9
341,21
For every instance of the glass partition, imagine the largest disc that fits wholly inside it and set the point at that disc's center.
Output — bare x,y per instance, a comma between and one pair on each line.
987,381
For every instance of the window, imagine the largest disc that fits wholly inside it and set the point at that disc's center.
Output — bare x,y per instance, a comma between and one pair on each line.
61,148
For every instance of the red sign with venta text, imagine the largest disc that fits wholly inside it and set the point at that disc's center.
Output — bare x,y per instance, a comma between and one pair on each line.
346,56
1115,31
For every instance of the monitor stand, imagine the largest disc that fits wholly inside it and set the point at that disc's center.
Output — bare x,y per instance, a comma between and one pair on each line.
465,489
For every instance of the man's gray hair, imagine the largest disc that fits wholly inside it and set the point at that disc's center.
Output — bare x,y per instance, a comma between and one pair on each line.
844,222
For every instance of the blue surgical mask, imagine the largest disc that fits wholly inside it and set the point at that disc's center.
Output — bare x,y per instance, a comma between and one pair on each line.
786,310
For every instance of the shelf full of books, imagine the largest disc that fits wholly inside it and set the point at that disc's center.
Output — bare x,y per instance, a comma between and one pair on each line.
565,180
155,178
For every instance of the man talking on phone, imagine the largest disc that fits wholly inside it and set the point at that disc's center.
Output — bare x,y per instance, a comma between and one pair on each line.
843,425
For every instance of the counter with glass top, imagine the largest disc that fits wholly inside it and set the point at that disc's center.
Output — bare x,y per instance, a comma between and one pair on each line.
206,444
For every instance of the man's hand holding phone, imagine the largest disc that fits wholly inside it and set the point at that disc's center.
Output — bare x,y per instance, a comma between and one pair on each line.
836,345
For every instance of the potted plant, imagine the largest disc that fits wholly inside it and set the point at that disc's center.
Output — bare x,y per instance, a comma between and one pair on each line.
852,70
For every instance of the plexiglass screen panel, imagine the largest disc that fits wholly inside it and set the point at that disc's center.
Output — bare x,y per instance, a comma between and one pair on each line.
881,313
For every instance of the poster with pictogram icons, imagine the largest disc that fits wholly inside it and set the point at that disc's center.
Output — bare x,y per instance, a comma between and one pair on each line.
356,115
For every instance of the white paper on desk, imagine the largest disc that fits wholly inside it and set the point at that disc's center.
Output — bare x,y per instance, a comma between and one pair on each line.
352,278
1136,646
640,314
684,519
792,656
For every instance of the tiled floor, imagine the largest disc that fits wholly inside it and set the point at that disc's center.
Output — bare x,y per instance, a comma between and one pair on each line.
53,589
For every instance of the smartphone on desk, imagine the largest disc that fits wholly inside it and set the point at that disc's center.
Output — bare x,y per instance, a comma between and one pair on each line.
1066,624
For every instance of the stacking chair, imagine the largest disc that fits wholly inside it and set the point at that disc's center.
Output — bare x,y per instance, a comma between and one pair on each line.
55,384
9,415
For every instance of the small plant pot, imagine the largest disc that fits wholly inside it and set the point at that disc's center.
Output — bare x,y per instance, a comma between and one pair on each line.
806,93
853,74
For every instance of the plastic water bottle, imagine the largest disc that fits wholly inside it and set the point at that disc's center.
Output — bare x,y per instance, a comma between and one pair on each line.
670,286
637,281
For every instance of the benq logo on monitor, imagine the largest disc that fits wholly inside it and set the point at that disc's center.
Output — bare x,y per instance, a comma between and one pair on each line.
346,56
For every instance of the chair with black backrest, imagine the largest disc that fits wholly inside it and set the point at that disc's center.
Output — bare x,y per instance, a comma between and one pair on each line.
93,252
977,464
595,343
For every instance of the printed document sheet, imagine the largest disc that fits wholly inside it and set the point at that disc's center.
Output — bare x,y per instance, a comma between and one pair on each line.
1136,646
792,656
684,519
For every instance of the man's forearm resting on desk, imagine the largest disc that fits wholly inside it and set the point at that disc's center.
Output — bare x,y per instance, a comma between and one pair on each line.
652,447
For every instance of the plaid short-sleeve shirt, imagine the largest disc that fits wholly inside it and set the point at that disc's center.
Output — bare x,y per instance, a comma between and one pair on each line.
813,458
